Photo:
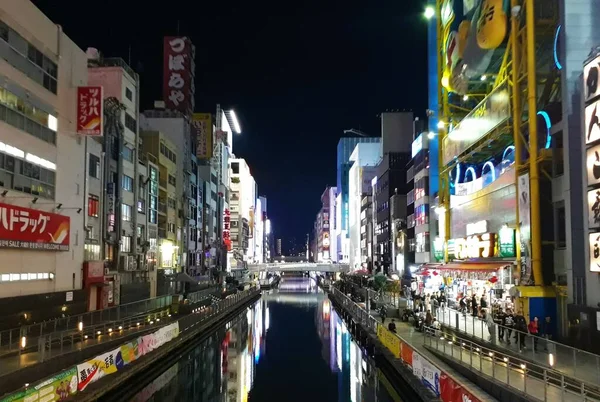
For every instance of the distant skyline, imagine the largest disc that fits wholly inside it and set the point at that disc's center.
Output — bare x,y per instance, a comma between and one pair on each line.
296,78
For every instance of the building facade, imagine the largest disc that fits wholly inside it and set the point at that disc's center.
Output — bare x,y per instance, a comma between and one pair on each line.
41,165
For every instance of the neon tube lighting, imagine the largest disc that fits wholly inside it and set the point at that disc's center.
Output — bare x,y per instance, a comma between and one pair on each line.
548,127
556,35
457,173
492,169
510,147
473,173
236,124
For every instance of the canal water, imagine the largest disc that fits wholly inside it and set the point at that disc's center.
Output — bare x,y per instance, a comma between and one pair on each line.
291,345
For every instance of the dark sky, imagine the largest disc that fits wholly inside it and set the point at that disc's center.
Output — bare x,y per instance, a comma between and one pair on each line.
297,74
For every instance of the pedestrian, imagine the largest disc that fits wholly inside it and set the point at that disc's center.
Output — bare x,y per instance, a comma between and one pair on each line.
483,302
383,314
521,330
463,304
509,323
534,331
474,305
499,319
432,301
547,332
428,318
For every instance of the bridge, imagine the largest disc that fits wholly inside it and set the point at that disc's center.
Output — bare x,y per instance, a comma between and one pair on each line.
299,266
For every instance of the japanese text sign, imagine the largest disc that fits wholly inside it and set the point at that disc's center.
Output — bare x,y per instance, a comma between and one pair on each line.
33,229
226,228
202,129
178,80
89,110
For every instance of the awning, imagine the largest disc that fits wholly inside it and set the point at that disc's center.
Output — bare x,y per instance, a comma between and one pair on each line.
476,266
465,266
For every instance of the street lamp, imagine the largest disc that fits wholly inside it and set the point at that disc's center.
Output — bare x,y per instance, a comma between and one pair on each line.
429,12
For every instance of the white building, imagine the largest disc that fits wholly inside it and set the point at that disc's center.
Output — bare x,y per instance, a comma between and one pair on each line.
242,202
41,159
365,158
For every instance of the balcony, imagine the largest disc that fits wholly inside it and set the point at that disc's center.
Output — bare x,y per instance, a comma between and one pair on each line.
162,233
162,208
410,174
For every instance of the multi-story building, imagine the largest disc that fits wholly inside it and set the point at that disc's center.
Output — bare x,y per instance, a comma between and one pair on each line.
260,231
366,230
345,148
161,154
125,174
41,160
364,158
242,204
278,247
323,228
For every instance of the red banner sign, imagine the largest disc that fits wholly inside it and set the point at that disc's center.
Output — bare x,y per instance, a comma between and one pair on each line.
33,229
178,80
89,110
226,229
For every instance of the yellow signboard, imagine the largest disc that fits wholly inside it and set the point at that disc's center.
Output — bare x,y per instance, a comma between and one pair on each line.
389,340
202,130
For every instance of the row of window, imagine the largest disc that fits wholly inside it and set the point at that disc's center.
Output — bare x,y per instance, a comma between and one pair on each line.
26,177
28,59
168,153
130,122
37,276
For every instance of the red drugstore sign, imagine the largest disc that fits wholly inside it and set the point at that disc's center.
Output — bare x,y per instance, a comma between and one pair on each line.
89,110
33,229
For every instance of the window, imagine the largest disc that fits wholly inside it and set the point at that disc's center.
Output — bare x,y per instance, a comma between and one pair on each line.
172,180
558,167
153,174
28,59
130,122
126,212
25,116
93,205
140,231
141,206
213,179
94,166
127,153
235,167
91,252
171,227
127,183
26,177
126,244
129,94
153,217
36,276
560,235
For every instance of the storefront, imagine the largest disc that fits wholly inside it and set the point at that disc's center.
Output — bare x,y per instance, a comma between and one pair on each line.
482,263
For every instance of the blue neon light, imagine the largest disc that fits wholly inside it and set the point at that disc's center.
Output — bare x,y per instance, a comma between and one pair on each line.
457,174
556,62
473,173
548,127
491,166
511,148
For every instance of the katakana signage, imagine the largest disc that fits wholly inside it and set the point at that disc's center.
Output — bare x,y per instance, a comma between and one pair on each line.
33,229
89,110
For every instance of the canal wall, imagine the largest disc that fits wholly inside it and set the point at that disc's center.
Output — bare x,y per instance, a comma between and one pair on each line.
401,376
90,379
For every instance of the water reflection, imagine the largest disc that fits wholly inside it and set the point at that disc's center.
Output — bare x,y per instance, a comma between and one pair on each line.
291,346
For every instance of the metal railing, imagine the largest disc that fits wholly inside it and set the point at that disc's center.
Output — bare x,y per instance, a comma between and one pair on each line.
539,382
570,361
21,340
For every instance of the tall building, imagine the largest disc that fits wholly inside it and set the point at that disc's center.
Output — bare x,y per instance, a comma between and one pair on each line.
125,173
242,204
345,148
325,249
364,158
41,168
278,247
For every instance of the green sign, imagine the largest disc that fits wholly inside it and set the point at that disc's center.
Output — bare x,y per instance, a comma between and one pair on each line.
438,249
56,388
507,245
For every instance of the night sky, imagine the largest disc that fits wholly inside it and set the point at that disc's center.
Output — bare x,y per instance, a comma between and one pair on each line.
297,74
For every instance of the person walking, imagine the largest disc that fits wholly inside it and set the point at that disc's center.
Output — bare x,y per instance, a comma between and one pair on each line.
521,328
474,305
509,322
533,328
383,314
499,319
547,332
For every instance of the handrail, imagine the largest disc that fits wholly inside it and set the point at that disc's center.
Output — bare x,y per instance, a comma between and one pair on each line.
571,361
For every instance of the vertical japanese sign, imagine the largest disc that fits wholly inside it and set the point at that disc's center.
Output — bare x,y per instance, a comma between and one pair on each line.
33,229
525,228
178,80
89,110
226,229
202,129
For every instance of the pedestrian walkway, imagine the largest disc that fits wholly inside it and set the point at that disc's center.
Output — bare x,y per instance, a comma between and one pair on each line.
570,361
536,382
